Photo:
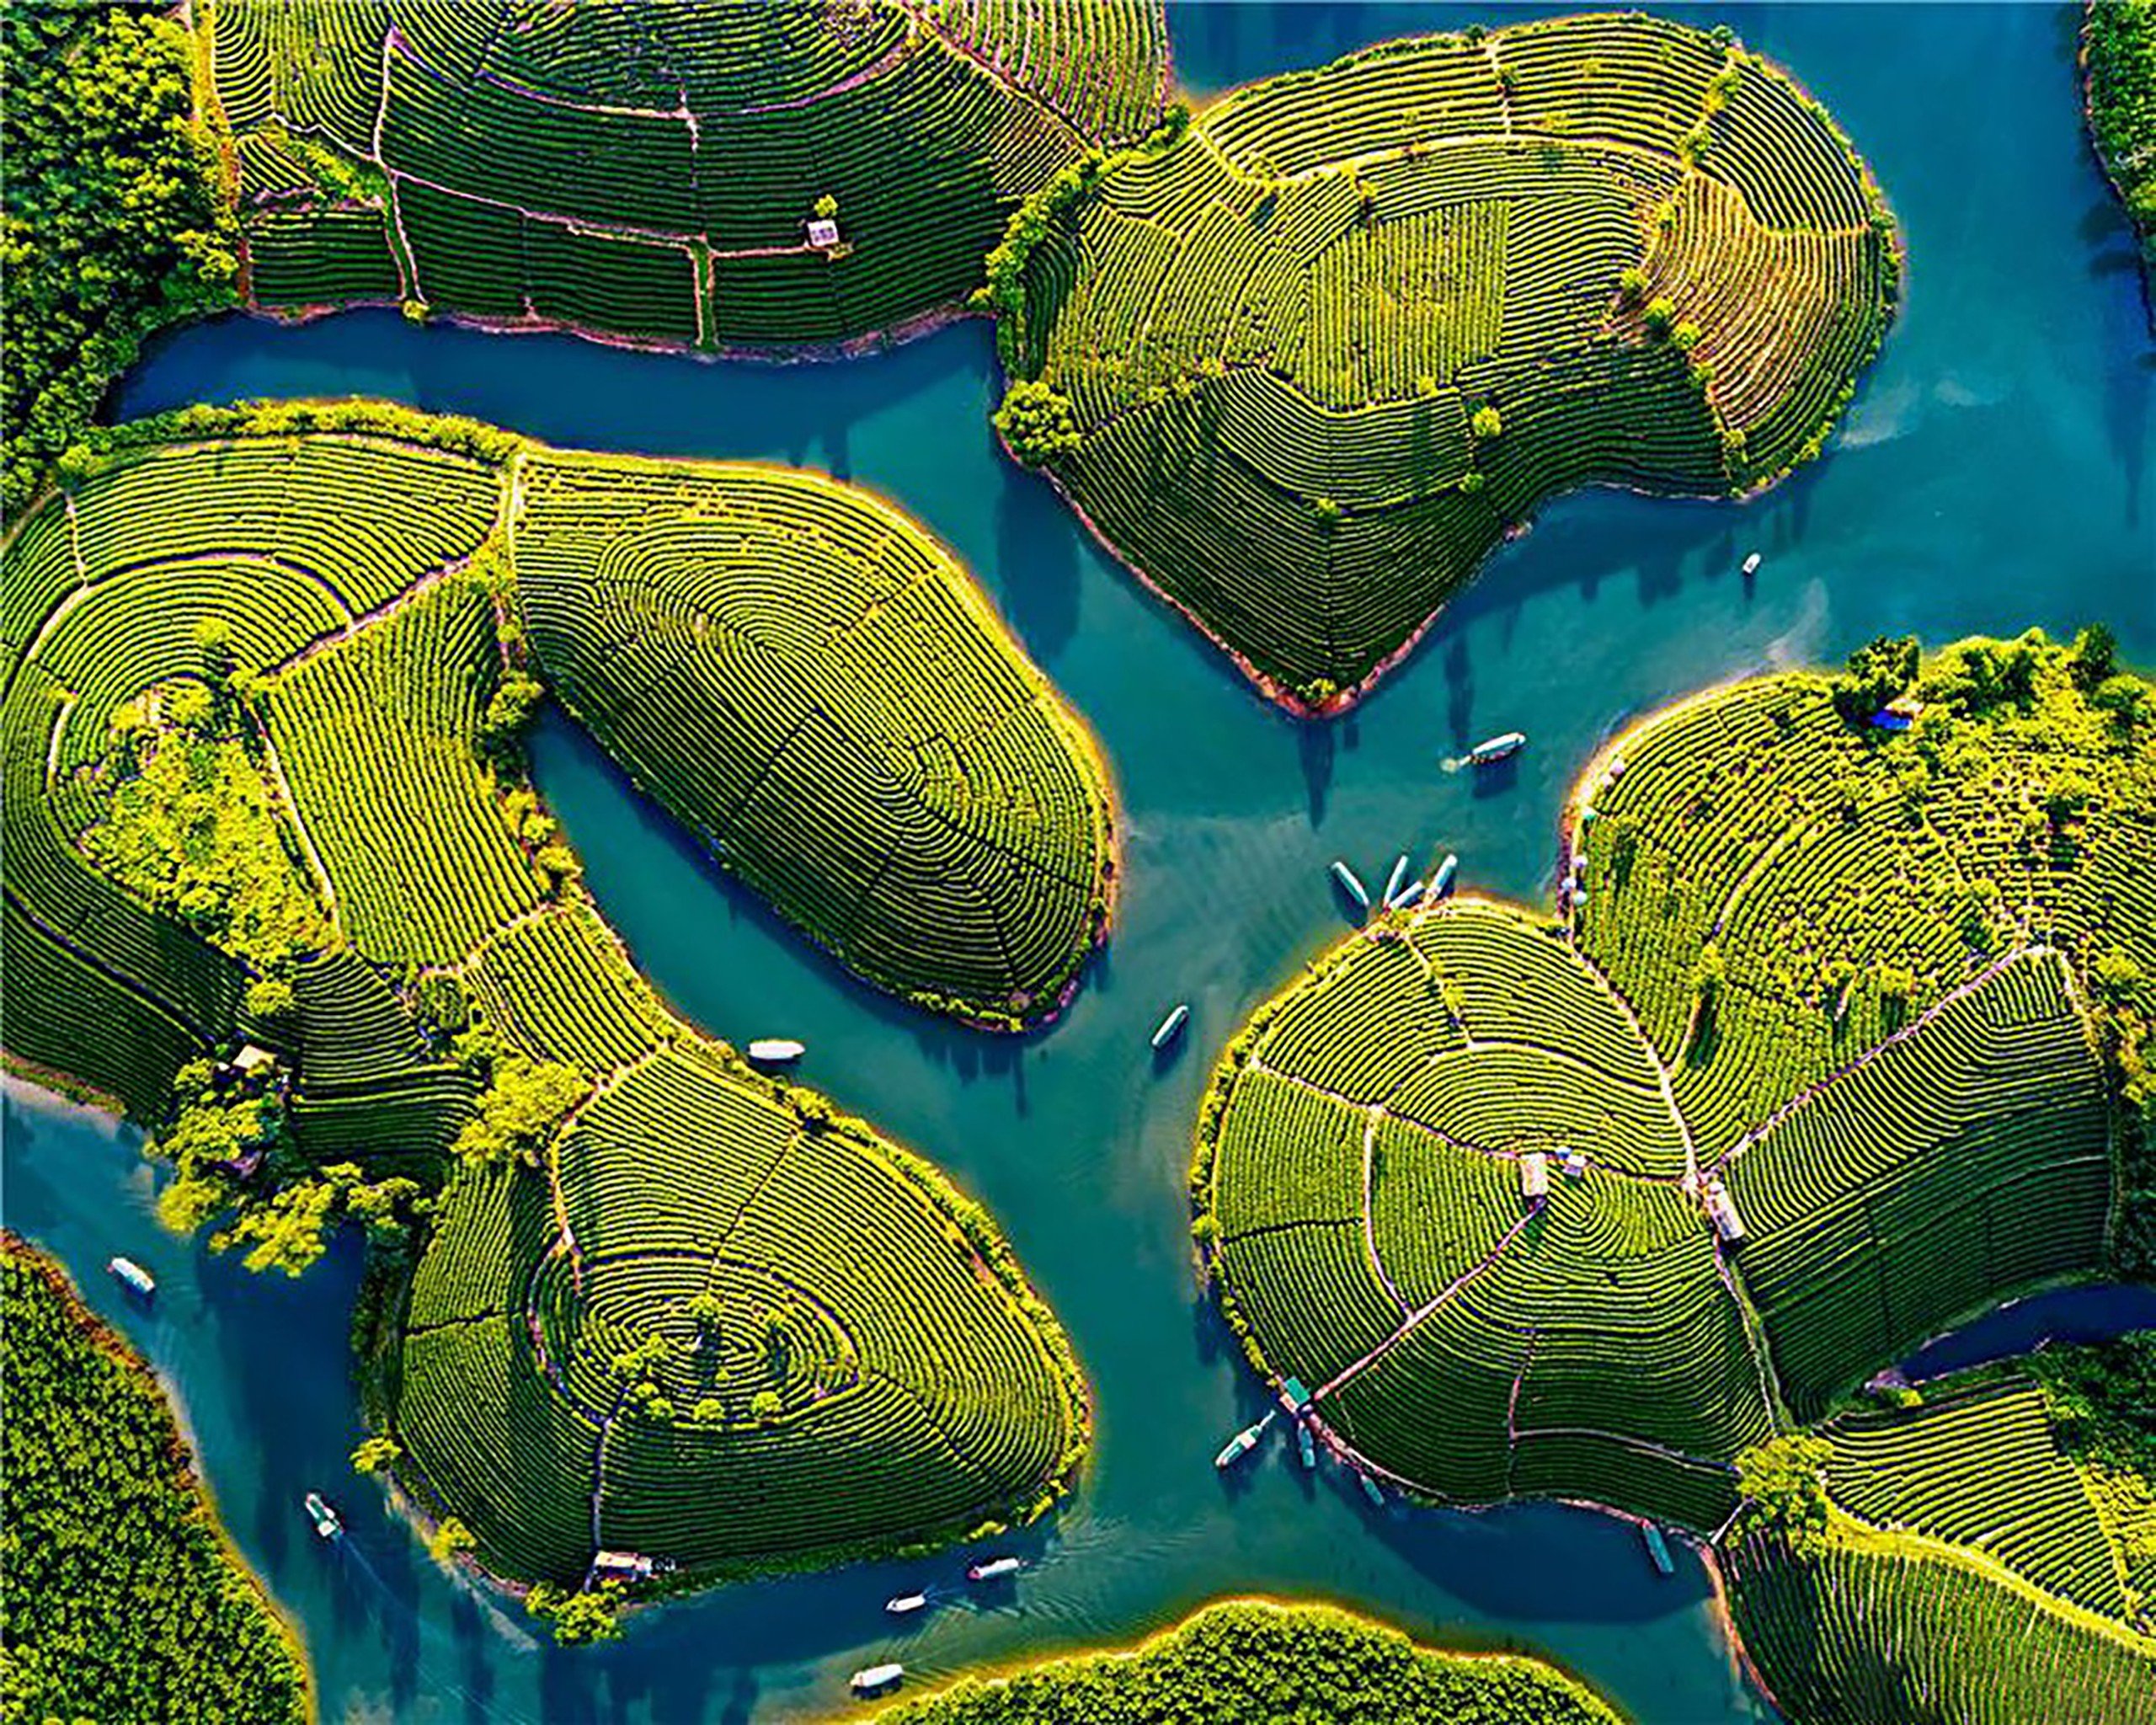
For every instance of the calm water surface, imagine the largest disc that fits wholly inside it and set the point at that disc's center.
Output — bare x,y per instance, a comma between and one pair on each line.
1991,475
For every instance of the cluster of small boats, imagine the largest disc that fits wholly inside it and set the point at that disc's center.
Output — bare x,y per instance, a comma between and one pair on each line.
1399,894
877,1680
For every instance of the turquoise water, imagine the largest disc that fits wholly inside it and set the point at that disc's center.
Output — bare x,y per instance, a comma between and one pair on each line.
1991,475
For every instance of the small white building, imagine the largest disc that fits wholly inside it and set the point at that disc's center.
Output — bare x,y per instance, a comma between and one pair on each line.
1533,1176
251,1059
824,233
620,1565
1721,1211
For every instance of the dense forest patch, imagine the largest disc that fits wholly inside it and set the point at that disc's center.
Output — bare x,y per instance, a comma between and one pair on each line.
267,672
1247,1661
1303,365
125,1598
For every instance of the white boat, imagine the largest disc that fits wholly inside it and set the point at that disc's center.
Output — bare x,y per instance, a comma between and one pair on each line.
776,1050
132,1276
1348,885
995,1569
1372,1491
901,1604
1441,882
1305,1444
1751,565
1408,897
1171,1028
1241,1444
326,1524
1497,748
1392,880
874,1680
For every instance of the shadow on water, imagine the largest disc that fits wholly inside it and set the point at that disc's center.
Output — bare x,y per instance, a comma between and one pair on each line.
570,768
1037,541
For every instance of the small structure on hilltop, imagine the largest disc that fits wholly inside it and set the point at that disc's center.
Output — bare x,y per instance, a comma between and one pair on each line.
620,1566
1535,1177
824,233
1721,1211
254,1061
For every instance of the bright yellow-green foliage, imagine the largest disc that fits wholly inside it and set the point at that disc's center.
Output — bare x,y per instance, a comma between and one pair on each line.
192,829
1254,1662
871,750
1718,1022
2118,59
1291,337
658,1302
124,1600
113,221
1965,1569
649,171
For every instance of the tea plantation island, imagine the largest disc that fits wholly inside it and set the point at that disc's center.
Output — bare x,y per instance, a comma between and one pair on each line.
1837,1037
1841,1038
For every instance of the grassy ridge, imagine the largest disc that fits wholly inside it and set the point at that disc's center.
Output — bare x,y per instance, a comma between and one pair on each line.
647,174
1243,1661
125,1598
1303,365
624,1298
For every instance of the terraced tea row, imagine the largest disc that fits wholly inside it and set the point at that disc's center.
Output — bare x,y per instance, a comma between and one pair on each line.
969,860
1965,1573
1304,366
1522,1238
652,173
663,1303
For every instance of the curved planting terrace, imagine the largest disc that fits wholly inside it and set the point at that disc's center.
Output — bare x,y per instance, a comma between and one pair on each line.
1303,366
1809,1070
265,678
2003,1559
649,174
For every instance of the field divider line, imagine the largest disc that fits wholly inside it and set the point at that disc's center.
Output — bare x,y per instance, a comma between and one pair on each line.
165,1008
281,790
1819,1087
1369,1213
1355,1369
1668,1452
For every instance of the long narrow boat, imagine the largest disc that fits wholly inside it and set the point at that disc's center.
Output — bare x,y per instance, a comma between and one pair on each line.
776,1050
1371,1490
1392,880
1305,1444
1441,882
1657,1548
1353,888
1241,1444
1408,896
1171,1028
995,1569
874,1680
1498,748
903,1604
132,1276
